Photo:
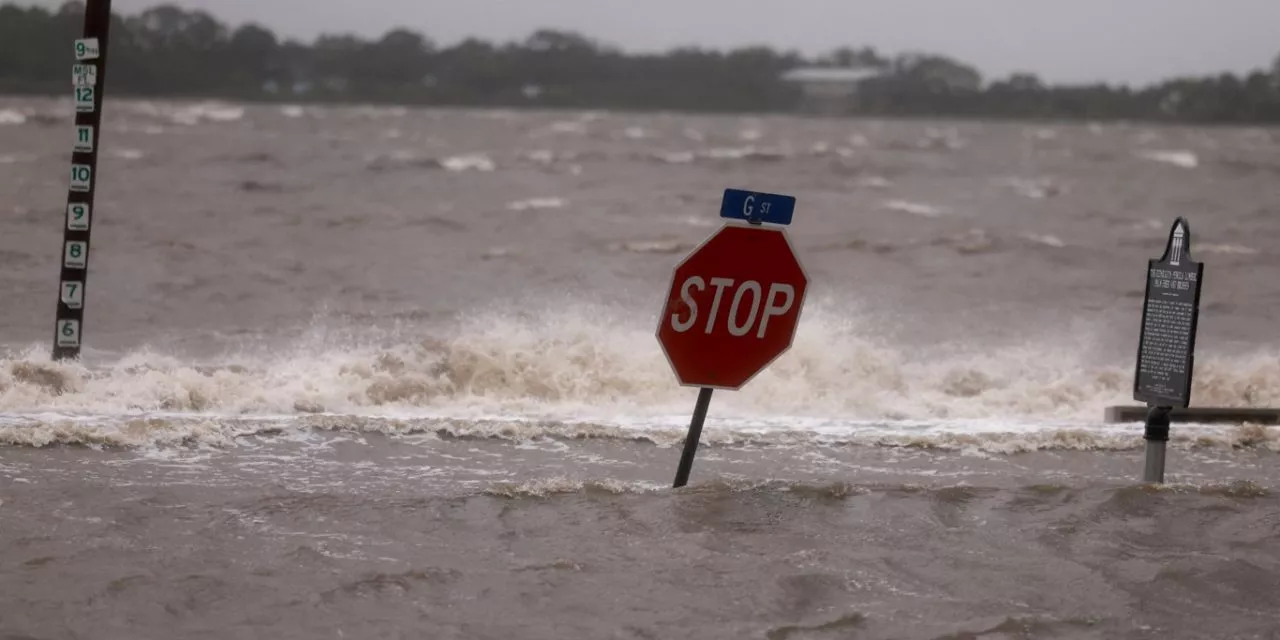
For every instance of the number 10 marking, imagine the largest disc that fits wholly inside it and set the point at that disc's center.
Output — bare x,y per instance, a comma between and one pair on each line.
81,177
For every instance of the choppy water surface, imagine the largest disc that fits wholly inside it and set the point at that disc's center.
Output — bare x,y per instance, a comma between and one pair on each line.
370,372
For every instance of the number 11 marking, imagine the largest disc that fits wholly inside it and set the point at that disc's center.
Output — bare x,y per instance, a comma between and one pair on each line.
84,138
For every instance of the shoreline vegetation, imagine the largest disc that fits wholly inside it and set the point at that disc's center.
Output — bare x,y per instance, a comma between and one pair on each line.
170,52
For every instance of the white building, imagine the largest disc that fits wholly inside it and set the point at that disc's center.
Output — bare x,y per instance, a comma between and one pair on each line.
828,89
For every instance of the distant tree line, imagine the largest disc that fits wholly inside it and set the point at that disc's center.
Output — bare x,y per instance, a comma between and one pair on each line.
171,52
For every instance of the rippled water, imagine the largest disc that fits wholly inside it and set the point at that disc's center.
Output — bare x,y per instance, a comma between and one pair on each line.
365,372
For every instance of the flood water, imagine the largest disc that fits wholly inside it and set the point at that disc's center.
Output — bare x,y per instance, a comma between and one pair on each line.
356,372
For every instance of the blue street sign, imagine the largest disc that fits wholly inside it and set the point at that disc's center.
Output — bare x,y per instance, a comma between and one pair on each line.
757,207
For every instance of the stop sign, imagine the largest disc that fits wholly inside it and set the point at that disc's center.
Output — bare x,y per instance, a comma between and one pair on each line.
733,307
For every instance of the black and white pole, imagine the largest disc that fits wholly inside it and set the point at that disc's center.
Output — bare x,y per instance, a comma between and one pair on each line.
88,77
1167,343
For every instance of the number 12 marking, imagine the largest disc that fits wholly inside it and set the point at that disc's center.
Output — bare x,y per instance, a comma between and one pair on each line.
85,100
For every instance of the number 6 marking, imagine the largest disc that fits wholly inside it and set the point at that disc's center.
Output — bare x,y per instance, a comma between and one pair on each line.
69,333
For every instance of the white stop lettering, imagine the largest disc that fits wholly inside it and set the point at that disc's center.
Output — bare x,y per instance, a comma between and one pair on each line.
777,302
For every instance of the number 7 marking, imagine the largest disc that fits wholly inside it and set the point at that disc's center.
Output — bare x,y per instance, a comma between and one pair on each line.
73,294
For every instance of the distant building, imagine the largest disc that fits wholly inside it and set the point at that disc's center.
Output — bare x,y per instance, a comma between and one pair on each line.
829,89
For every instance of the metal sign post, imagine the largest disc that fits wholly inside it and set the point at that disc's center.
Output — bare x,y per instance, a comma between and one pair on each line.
88,78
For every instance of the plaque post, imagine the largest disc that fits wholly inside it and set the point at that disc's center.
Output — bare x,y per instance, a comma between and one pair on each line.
1157,436
1167,342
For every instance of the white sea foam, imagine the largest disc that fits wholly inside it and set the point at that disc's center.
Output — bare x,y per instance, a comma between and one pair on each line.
914,208
571,127
874,182
191,115
945,138
536,203
1184,159
12,117
677,157
469,162
127,154
1045,239
1237,249
540,156
1034,188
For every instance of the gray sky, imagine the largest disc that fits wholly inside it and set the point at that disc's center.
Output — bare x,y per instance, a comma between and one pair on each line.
1132,41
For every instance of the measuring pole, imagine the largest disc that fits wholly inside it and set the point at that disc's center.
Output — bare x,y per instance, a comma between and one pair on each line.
88,78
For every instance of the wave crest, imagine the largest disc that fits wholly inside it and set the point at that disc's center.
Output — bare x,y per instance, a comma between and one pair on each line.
593,361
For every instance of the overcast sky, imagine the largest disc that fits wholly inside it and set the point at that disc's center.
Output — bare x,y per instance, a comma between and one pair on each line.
1131,41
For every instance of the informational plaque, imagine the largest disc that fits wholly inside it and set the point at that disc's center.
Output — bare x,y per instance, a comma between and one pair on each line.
1171,308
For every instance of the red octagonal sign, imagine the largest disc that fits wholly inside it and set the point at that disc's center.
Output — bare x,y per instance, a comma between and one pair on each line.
733,307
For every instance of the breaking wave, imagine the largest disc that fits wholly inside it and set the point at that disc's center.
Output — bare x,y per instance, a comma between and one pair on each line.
582,371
